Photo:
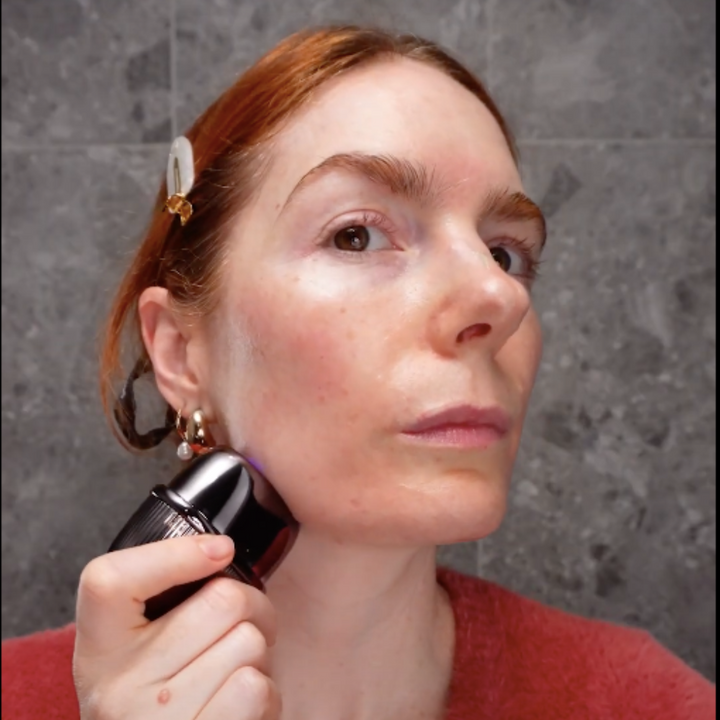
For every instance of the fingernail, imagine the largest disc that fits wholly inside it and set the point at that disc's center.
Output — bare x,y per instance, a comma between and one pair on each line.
216,547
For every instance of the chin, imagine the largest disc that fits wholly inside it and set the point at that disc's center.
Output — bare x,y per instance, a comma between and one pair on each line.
469,506
474,531
463,509
468,526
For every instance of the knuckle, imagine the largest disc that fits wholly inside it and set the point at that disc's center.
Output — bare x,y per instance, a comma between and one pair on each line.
100,580
255,688
81,679
225,596
252,640
274,708
102,702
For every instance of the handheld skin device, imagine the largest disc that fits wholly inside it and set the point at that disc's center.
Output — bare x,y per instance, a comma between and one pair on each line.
218,493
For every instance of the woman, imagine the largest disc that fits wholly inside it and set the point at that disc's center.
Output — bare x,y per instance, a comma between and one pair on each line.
346,296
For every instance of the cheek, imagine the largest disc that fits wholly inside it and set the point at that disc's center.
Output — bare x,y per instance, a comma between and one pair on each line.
521,356
293,359
302,392
534,342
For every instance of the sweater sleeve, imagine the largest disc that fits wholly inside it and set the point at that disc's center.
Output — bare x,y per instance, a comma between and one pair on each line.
37,681
520,660
654,683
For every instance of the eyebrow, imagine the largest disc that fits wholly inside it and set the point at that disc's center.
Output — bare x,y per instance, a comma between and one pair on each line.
401,177
504,204
416,183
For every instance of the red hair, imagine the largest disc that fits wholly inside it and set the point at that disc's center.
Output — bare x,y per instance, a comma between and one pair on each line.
228,140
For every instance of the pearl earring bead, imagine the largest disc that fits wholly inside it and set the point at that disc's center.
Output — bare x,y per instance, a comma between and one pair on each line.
184,451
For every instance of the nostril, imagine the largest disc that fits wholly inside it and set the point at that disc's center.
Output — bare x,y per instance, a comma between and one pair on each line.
477,330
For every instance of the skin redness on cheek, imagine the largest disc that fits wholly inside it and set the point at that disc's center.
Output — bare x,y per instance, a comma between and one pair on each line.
276,350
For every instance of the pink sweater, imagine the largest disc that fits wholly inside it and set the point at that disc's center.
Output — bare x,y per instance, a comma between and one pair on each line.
514,660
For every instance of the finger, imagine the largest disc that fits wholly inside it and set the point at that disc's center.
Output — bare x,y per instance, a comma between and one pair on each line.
114,587
193,627
243,646
246,695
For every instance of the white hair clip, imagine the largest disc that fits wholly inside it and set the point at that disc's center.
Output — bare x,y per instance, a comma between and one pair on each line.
180,178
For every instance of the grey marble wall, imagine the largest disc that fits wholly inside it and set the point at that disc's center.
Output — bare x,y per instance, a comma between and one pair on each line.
613,511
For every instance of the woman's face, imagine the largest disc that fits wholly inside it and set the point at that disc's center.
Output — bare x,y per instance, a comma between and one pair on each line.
382,276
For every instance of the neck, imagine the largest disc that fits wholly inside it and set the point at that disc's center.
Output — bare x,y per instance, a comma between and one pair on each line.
364,632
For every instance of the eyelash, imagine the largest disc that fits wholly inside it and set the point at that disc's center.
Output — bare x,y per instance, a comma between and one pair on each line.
527,249
366,218
373,219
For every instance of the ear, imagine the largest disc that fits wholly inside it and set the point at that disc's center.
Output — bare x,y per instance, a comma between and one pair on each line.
172,344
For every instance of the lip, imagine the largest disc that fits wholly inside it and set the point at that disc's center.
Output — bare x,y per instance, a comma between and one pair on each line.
464,426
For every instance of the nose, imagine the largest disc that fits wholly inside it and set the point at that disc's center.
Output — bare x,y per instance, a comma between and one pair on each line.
478,303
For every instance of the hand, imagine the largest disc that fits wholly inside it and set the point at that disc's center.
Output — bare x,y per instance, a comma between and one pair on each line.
204,660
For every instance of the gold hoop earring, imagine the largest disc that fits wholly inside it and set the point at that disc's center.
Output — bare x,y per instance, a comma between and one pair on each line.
195,434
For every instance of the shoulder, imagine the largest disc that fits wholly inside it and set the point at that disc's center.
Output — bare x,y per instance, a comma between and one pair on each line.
552,660
37,676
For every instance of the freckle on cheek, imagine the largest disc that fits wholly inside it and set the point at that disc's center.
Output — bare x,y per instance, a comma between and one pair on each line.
163,697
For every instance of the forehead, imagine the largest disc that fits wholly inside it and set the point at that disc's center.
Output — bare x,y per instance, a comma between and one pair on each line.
402,108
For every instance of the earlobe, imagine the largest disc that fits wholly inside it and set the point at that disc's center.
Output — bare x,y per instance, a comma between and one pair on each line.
166,340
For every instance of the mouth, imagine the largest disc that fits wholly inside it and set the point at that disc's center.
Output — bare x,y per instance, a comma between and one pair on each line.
461,427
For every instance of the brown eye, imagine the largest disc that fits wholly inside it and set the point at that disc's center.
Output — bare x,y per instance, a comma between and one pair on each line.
518,263
502,257
352,239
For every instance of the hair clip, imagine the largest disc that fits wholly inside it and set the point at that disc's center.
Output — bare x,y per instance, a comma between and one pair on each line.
180,179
